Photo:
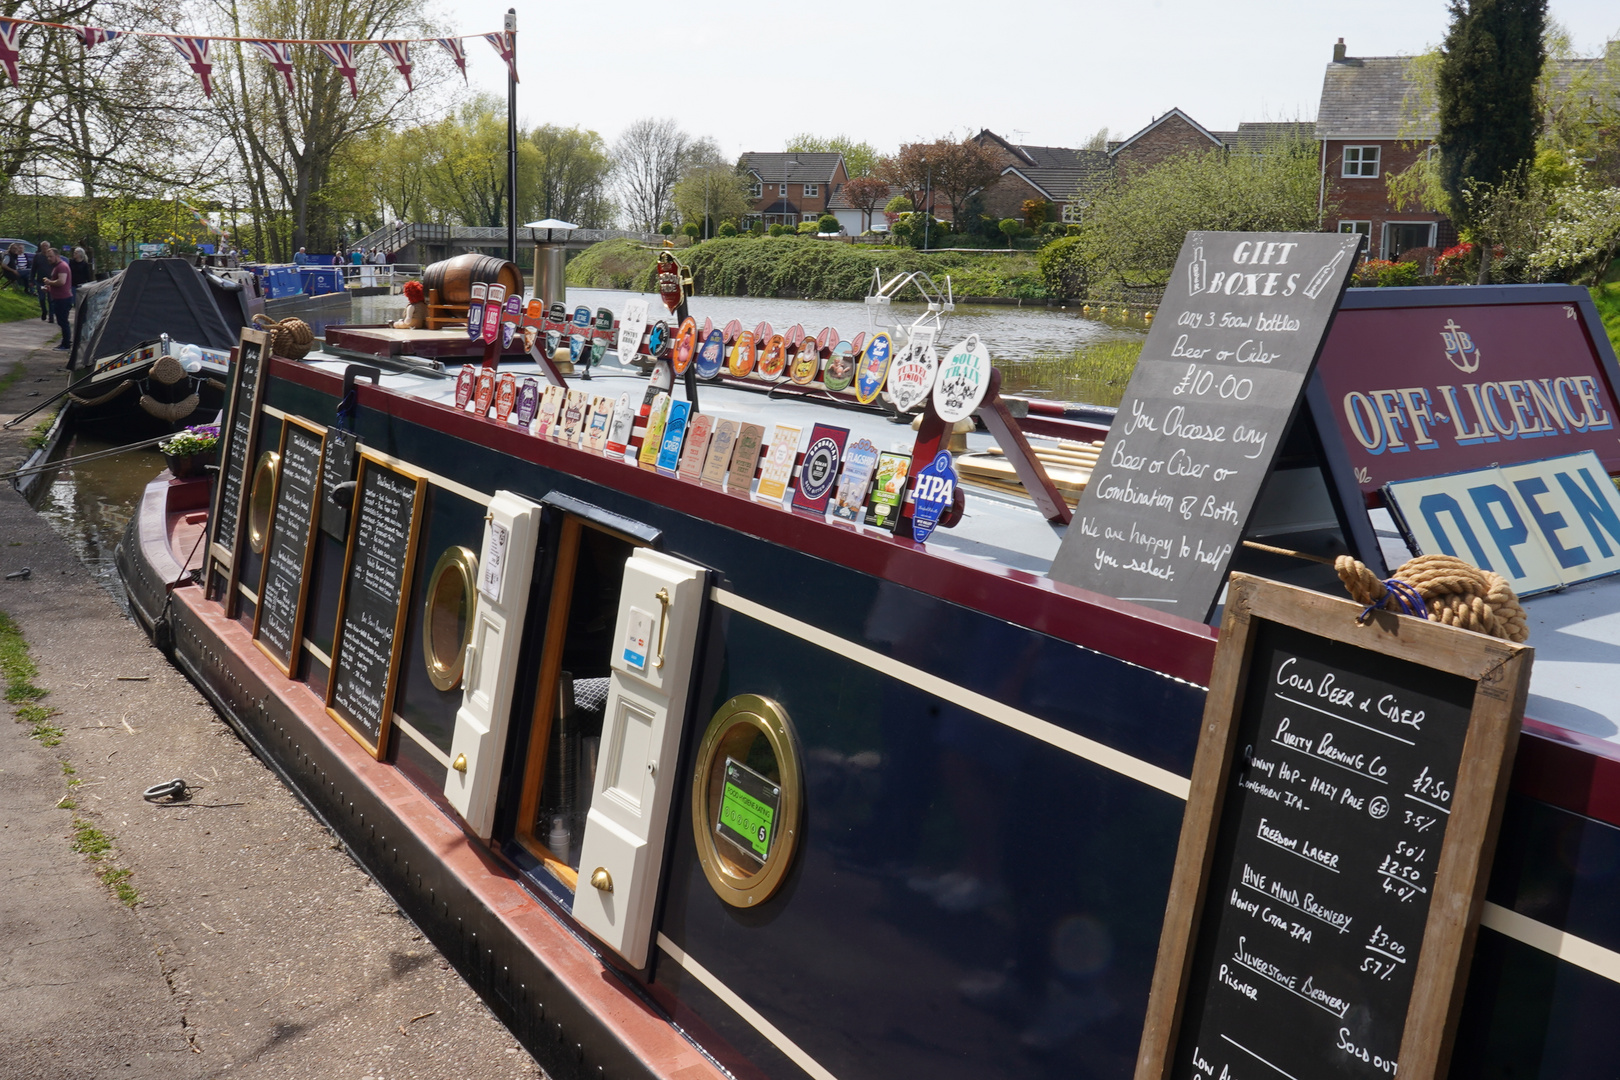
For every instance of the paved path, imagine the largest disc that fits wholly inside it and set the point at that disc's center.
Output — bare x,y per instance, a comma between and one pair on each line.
257,948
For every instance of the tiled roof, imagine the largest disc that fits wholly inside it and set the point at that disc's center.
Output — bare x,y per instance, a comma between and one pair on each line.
792,168
1060,171
1251,137
1371,97
839,201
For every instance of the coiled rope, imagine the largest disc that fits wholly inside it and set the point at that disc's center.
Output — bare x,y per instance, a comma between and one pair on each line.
1445,589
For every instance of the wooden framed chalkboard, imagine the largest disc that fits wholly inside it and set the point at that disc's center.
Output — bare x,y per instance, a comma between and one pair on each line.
289,548
237,438
371,617
1338,837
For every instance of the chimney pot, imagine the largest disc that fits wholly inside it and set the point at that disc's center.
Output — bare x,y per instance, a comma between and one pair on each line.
1338,52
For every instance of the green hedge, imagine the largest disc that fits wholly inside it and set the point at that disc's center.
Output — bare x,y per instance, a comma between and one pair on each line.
813,269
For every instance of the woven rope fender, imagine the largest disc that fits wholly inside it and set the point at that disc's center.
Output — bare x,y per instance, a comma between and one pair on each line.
290,337
1455,592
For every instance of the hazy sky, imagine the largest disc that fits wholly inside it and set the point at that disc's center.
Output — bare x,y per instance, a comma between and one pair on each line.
1048,73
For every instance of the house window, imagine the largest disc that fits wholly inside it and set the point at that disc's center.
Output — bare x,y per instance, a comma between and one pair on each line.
1361,161
1071,213
811,190
755,190
1402,236
1364,228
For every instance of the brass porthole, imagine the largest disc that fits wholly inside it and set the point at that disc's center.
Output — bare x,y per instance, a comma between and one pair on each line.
262,502
747,799
447,616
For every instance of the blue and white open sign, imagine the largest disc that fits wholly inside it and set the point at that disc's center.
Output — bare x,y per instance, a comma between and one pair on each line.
1540,524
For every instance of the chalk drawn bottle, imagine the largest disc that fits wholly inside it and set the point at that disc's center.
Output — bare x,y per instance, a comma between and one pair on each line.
1319,282
1197,272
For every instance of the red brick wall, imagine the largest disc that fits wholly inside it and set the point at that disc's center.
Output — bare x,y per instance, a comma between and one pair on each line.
1354,198
1170,139
1004,198
813,205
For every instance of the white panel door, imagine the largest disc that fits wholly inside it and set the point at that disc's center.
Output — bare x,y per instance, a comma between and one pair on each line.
505,565
654,652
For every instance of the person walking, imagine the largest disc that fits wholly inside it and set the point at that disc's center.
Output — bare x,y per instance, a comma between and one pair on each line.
59,284
81,269
37,279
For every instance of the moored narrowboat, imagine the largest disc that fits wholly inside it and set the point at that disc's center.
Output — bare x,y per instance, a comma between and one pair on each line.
691,774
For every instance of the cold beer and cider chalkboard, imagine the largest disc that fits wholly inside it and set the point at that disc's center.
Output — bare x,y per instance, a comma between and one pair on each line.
1344,805
1204,418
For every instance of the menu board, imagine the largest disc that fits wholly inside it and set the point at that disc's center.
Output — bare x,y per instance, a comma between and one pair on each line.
371,607
278,621
240,431
1204,417
1343,812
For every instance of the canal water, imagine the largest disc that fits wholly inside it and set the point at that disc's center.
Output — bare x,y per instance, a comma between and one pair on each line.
91,503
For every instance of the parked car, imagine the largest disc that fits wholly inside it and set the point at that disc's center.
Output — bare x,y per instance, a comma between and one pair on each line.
7,241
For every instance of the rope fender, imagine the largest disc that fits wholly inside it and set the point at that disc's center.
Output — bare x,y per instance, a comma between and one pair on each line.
1450,590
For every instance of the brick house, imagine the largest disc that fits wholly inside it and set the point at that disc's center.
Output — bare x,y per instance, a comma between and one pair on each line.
1369,133
1065,177
790,188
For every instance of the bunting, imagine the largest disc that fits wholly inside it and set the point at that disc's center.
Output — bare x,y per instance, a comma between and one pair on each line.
91,36
503,44
195,50
11,30
341,53
457,51
400,53
279,53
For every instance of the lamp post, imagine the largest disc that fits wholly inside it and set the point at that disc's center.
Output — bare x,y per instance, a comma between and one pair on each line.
928,203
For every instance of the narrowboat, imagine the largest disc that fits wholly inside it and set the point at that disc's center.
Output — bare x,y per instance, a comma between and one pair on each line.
694,778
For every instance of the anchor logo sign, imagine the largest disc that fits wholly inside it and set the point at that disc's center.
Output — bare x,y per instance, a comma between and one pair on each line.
1460,348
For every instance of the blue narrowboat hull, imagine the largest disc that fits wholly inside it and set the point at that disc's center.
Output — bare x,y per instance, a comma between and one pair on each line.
995,775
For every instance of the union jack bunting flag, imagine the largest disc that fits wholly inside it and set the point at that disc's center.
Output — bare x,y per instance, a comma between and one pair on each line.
457,52
9,33
195,50
279,53
341,53
91,36
400,53
504,46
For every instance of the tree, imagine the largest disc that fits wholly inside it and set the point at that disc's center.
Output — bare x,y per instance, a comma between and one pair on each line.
896,208
1011,228
648,160
571,174
952,169
859,157
1134,227
712,192
1098,140
866,194
692,229
1491,59
466,181
1035,212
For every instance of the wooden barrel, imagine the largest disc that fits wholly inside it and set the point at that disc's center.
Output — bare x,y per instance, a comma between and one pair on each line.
453,278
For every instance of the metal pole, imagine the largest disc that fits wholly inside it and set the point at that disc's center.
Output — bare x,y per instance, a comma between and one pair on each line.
511,138
928,206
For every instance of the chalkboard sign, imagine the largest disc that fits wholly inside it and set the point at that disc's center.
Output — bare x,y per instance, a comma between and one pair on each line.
1338,838
237,437
337,469
278,621
371,605
1204,417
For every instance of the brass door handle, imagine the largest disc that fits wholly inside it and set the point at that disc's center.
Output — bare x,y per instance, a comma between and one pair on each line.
460,764
601,879
662,596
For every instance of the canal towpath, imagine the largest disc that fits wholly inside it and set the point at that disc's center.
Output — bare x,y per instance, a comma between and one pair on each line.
230,937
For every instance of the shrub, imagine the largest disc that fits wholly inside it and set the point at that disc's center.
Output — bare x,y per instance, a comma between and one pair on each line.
1071,230
1366,275
1457,264
1063,268
897,206
828,224
667,228
726,229
1035,212
1400,273
807,228
1011,228
778,230
692,229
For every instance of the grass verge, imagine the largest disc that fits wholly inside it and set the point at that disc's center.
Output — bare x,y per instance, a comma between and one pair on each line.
14,305
18,671
1095,373
42,431
1607,298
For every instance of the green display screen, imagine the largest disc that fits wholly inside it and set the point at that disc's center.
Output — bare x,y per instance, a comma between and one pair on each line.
749,804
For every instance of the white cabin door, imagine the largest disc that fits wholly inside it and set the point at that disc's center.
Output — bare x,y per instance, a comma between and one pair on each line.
505,565
654,652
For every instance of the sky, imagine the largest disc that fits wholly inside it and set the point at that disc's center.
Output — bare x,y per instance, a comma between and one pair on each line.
751,75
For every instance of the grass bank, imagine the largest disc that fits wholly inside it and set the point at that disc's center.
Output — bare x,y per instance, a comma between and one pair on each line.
1607,298
793,267
14,306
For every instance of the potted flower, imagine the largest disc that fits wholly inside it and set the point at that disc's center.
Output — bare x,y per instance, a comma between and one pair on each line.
191,451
